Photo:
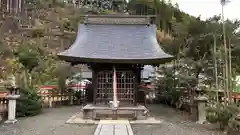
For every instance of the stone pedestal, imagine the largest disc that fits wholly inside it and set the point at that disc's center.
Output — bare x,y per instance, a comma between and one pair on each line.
12,108
201,106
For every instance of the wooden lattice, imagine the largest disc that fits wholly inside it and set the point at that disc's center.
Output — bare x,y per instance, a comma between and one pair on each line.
125,87
104,87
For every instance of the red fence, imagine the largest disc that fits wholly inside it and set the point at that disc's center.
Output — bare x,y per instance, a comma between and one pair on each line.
52,98
3,104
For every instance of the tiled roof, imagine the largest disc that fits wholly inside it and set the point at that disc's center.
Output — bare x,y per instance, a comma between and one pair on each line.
114,43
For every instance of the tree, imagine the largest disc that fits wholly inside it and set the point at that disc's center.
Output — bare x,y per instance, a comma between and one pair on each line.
28,56
192,43
29,103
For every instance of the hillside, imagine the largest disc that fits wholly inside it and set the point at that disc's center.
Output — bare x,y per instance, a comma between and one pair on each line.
50,29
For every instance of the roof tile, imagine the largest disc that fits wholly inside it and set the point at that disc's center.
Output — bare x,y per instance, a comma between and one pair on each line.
113,43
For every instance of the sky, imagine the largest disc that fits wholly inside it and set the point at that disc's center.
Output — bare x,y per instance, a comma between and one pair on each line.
209,8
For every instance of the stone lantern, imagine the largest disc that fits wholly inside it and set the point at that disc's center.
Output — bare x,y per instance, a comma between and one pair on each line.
201,101
13,95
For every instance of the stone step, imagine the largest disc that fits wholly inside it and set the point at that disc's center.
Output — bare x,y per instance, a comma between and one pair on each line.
107,114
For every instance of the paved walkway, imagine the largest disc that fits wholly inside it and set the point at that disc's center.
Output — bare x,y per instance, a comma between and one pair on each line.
52,122
114,127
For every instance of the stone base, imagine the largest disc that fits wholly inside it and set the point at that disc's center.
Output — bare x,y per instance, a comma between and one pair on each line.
10,121
78,119
95,112
201,122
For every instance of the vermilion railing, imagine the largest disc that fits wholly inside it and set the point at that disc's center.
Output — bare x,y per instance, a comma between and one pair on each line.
3,103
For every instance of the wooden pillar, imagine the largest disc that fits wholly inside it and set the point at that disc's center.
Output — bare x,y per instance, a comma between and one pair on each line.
140,94
135,86
8,5
94,83
19,5
137,80
16,6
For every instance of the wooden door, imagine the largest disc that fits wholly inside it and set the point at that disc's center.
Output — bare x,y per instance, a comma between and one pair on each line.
125,87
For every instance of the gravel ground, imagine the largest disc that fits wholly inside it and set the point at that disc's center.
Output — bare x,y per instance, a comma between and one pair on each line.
174,123
52,122
169,129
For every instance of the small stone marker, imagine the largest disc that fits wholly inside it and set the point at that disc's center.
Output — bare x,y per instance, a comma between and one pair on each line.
12,109
114,127
13,95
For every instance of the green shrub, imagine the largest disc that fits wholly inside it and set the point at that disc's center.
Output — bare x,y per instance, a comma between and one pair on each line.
172,96
222,114
29,104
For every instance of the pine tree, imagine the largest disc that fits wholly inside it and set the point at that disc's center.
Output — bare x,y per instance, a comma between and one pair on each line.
29,103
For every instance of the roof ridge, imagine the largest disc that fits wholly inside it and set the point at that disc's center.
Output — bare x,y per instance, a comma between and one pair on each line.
118,16
116,20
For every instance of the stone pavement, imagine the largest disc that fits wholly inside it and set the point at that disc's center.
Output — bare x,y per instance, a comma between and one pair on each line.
53,122
114,127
